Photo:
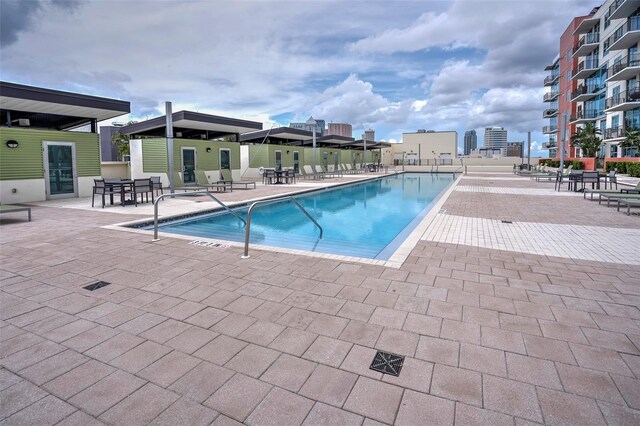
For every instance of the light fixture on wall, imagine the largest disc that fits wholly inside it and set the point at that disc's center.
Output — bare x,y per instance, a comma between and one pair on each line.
12,144
208,149
287,152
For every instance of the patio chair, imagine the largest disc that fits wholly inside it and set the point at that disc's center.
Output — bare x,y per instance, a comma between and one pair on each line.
290,176
180,186
310,173
99,188
611,178
635,190
143,187
157,184
592,178
227,178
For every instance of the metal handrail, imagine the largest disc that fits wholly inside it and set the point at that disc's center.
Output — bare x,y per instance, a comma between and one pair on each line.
155,208
250,211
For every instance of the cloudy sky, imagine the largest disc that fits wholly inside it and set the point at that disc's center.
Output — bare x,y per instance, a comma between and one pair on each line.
396,66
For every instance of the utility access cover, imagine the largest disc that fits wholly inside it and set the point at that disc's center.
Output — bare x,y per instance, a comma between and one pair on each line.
96,285
387,363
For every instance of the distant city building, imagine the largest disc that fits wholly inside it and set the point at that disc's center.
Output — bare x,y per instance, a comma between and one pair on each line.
515,149
340,129
489,152
369,135
308,126
495,138
470,141
423,147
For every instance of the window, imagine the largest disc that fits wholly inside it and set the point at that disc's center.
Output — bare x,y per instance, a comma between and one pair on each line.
607,20
613,151
615,121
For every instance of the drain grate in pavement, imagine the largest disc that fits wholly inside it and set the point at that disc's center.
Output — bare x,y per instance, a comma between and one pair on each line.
96,285
506,221
208,244
387,363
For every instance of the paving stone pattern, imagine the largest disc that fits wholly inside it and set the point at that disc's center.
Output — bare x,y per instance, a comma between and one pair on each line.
196,335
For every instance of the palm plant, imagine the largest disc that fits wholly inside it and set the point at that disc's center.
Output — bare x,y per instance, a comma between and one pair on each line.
587,139
632,140
121,142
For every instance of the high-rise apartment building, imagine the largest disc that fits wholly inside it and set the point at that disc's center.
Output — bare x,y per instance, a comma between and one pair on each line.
470,141
369,135
601,83
496,138
340,129
309,126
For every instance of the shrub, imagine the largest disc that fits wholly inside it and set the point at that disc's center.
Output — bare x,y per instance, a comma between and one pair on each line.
631,168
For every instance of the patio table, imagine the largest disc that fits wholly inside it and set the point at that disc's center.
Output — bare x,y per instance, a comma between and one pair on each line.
124,185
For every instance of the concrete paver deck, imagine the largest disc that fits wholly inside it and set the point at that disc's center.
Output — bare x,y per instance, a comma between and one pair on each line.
493,333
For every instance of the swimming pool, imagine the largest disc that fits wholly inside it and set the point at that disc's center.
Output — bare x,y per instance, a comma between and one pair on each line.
369,219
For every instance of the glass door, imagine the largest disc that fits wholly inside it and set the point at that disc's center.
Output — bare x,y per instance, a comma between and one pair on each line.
336,159
278,160
296,161
60,170
325,161
189,165
225,164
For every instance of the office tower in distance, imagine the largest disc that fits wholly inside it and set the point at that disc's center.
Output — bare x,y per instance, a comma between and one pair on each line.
340,129
470,141
496,138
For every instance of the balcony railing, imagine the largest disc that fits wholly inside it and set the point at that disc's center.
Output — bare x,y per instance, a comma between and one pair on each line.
627,35
631,95
549,145
586,89
586,67
550,112
615,71
587,115
550,96
589,41
550,129
614,133
550,79
622,8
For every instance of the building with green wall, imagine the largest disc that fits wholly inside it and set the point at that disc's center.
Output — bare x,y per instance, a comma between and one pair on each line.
201,142
49,145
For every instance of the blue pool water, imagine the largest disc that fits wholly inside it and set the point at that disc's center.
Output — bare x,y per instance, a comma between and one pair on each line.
369,219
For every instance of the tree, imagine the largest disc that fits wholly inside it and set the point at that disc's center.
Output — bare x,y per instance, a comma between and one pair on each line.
587,139
121,142
632,140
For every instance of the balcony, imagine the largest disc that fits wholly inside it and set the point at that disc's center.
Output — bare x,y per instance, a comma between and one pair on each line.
622,8
624,69
550,79
549,112
630,99
615,133
586,68
585,92
549,145
585,116
627,35
587,44
550,129
550,97
586,25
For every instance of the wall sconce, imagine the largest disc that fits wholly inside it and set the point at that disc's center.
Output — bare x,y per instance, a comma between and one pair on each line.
287,152
12,144
208,149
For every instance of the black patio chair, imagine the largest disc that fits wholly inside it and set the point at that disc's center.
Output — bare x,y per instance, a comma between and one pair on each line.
100,188
144,187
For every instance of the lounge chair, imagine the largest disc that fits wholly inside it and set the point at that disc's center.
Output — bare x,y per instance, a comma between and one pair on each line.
635,190
227,178
8,208
310,173
203,180
628,202
179,185
616,197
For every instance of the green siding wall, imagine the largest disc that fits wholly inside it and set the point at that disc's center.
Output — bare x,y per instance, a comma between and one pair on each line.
25,161
154,154
265,155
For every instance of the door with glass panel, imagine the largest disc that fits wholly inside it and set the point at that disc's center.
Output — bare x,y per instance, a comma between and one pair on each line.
278,160
225,164
296,161
189,165
60,173
336,160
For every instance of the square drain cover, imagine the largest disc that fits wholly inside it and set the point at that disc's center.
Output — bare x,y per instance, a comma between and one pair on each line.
96,285
387,363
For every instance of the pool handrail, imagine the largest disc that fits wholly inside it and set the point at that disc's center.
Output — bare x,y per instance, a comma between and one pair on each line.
182,194
250,211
